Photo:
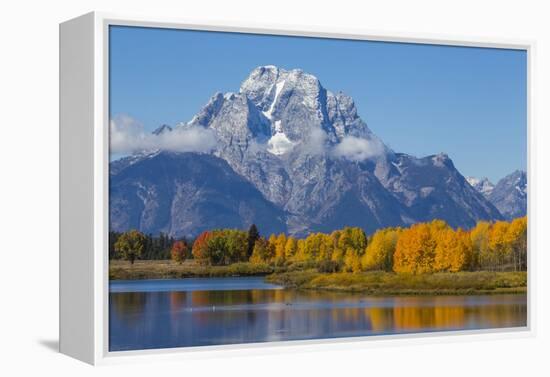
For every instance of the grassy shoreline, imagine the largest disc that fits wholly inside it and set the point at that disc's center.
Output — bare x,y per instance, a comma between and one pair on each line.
386,283
166,269
371,283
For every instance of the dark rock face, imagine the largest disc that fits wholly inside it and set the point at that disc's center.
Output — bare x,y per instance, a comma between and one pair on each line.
183,194
329,194
291,156
432,188
510,195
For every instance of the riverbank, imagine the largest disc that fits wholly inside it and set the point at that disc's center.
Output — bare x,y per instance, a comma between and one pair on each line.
167,269
386,283
303,277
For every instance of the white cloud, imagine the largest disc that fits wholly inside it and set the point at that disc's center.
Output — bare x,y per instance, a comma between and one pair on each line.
188,139
351,147
315,142
128,136
257,146
279,144
358,149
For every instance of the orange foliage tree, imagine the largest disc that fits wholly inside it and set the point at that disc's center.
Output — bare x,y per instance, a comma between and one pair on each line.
200,247
179,251
415,250
453,251
421,248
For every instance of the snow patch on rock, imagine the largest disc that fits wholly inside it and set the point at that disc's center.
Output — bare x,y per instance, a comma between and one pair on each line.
278,88
279,143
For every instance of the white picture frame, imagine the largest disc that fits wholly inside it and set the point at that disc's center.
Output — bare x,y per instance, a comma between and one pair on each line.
84,150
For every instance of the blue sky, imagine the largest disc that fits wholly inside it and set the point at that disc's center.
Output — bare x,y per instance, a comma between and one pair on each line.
420,99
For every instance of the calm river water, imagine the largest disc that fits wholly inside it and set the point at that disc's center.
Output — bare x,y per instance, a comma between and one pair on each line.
148,314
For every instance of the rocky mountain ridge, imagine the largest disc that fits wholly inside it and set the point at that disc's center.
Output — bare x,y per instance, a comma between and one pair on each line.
509,195
307,152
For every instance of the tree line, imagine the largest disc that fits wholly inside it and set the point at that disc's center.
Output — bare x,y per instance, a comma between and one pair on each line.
152,248
421,248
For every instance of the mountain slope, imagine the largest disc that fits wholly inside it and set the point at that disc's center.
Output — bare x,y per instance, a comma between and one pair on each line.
183,194
432,188
483,185
510,195
313,161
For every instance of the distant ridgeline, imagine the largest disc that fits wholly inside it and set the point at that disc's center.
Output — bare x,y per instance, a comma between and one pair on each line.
421,248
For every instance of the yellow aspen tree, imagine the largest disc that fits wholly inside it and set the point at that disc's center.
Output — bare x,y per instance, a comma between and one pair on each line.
516,237
498,242
313,246
272,240
300,255
337,252
343,240
352,261
263,251
446,245
464,259
280,245
359,240
453,251
380,249
291,247
415,250
481,253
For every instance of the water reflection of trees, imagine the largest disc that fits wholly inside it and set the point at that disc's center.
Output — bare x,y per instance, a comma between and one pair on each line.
442,314
129,305
223,317
417,318
378,315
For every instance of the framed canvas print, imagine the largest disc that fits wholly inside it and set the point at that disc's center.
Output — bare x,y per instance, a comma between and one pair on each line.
229,186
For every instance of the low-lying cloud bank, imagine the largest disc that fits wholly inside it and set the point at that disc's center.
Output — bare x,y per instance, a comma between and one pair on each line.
358,149
350,147
128,136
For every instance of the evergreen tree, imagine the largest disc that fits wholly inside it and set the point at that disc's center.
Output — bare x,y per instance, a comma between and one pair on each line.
253,236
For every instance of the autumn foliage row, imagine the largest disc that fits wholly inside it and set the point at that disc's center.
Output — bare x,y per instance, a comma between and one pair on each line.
421,248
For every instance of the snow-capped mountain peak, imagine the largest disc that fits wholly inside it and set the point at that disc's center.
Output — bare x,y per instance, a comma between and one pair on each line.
293,100
306,151
483,185
509,195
